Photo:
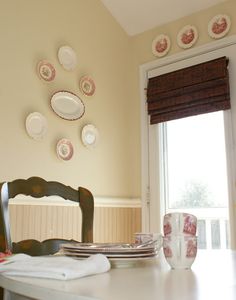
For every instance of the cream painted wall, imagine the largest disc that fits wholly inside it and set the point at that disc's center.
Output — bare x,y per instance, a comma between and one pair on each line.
32,30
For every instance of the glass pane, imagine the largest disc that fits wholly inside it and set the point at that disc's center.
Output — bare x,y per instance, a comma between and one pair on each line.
201,228
215,234
196,162
227,233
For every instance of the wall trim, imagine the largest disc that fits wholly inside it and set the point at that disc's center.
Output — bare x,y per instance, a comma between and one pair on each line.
57,201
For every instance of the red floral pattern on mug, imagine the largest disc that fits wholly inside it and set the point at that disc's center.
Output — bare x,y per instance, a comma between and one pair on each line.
190,225
167,251
167,228
191,249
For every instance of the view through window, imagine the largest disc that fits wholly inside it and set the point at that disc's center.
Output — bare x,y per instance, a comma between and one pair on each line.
196,174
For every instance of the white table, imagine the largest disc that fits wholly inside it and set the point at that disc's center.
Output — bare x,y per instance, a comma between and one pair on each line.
212,277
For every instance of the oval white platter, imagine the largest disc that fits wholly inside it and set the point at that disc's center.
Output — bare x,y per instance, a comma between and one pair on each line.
64,149
46,71
67,58
87,85
36,125
187,36
161,45
90,136
67,105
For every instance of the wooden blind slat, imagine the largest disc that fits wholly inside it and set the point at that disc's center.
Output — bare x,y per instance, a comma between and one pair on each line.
203,72
187,112
188,96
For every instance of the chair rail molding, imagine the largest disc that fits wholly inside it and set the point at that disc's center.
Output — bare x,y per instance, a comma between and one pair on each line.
98,201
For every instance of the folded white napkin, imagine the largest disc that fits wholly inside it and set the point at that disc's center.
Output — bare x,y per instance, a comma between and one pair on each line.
56,267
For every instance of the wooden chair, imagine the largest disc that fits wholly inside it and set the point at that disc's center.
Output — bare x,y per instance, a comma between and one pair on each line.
38,187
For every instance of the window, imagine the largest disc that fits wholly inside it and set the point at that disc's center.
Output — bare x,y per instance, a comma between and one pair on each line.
152,190
195,174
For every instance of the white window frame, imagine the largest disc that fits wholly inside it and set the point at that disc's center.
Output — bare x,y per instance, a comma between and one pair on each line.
151,204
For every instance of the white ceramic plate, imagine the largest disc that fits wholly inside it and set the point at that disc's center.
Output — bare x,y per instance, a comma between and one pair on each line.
67,58
111,255
219,26
67,105
161,45
113,248
64,149
187,36
36,125
122,262
87,85
46,71
90,136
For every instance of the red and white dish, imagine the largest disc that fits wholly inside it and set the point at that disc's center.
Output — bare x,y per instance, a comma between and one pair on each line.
219,26
67,105
67,58
87,85
90,136
36,125
161,45
46,71
64,149
187,36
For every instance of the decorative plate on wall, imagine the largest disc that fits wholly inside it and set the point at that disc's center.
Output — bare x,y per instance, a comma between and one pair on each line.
45,70
67,105
67,58
87,85
64,149
219,26
161,45
90,136
36,125
187,36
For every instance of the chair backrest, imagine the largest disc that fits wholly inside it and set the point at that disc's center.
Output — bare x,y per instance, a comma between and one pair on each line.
37,188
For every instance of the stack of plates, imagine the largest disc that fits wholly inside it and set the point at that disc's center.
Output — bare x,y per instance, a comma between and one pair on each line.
113,251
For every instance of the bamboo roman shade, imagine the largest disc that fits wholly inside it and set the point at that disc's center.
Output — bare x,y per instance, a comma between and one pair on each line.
190,91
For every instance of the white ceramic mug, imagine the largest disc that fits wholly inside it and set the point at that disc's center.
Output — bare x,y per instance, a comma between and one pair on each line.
180,250
179,223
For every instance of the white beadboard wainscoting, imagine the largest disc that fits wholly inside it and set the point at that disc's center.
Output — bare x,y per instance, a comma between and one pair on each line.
115,219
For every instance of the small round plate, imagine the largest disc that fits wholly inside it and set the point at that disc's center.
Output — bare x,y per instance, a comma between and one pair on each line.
161,45
90,136
36,125
64,149
45,70
87,85
219,26
67,58
187,36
